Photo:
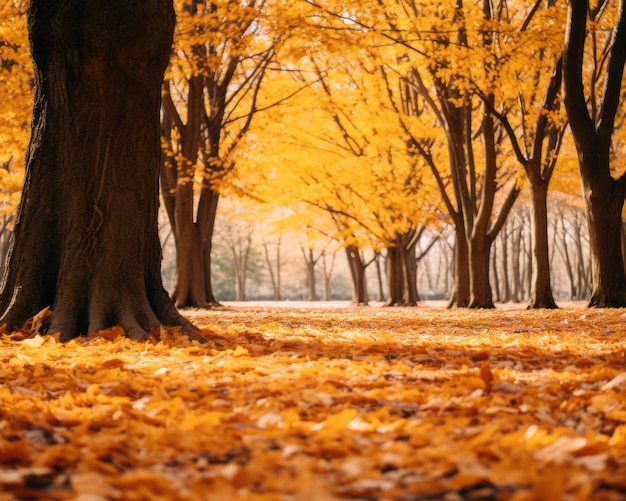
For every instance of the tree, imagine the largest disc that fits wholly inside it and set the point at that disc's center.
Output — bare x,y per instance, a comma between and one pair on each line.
310,262
441,71
537,138
86,240
340,149
210,99
592,121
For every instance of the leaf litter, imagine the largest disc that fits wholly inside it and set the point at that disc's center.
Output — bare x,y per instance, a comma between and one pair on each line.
368,404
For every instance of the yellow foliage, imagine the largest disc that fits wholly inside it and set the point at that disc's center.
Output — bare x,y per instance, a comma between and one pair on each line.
15,103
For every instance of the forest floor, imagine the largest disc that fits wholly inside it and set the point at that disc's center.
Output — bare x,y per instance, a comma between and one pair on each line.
301,403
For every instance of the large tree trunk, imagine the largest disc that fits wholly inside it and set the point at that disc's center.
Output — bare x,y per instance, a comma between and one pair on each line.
86,238
605,227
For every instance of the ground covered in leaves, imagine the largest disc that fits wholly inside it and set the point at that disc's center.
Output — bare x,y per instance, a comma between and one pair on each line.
370,404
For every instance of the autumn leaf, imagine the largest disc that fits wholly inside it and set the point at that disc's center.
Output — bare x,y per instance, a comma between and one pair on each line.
287,404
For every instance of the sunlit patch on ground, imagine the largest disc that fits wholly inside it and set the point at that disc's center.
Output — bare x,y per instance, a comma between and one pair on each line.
393,404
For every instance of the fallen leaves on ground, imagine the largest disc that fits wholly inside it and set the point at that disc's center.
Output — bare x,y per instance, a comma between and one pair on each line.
371,404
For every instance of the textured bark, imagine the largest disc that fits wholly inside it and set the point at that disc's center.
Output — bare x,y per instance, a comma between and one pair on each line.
86,237
605,226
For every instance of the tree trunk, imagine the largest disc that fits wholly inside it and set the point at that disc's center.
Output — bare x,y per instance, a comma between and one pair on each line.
357,272
192,286
207,210
516,268
604,195
605,226
478,233
582,266
380,293
310,263
460,296
5,242
409,268
541,294
505,265
479,273
624,244
395,282
495,275
86,237
190,260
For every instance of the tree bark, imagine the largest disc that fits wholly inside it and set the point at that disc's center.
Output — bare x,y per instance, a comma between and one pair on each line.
86,237
605,226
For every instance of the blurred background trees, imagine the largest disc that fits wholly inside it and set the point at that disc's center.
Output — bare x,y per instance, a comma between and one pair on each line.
387,151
